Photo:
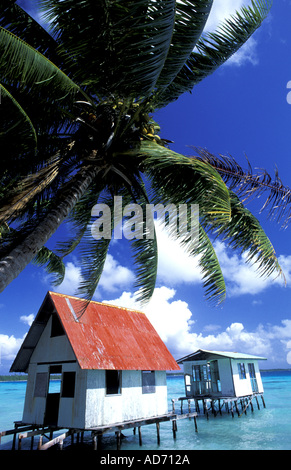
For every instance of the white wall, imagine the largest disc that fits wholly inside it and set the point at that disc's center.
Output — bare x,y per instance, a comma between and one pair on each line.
231,384
48,350
243,386
130,404
90,406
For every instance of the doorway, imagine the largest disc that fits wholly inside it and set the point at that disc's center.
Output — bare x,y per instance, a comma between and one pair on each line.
53,396
253,377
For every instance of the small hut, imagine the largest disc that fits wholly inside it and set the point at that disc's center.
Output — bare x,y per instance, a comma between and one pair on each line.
110,362
216,374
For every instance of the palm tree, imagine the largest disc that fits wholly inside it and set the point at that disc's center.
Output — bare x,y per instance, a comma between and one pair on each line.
76,100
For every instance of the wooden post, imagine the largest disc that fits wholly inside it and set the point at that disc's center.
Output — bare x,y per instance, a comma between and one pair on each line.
195,424
219,406
263,401
257,402
174,428
39,442
139,435
158,433
197,405
118,439
236,407
231,404
99,441
94,441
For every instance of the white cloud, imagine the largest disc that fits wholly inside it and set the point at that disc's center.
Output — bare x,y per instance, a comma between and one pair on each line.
71,281
27,319
115,276
175,324
221,10
242,278
9,346
175,266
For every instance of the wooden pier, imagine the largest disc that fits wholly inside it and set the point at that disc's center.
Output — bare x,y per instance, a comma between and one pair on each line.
215,405
23,431
195,405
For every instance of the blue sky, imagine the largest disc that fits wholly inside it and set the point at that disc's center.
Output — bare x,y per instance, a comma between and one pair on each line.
240,110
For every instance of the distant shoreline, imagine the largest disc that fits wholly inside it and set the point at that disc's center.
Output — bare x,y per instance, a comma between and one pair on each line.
23,378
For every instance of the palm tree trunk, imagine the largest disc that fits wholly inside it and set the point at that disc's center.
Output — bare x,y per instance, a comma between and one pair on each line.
13,263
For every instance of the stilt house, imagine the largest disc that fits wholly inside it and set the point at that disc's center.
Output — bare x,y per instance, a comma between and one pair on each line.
111,362
217,374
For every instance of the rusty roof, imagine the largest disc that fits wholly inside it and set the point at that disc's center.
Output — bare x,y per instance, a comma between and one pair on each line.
104,337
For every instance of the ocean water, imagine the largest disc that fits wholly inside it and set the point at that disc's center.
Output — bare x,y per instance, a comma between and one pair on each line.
265,429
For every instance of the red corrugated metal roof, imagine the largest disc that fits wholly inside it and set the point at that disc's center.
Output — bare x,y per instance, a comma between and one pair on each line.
109,337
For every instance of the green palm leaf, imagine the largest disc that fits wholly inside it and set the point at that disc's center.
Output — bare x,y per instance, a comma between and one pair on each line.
20,23
212,276
214,49
244,233
178,180
190,19
22,65
52,263
122,45
15,120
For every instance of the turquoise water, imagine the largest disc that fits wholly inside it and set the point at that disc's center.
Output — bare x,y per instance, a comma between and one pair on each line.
265,429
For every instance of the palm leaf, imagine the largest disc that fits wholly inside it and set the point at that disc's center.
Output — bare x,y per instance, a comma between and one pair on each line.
23,65
178,180
214,49
212,276
122,45
248,184
20,23
244,233
18,199
190,19
53,264
145,253
93,252
15,120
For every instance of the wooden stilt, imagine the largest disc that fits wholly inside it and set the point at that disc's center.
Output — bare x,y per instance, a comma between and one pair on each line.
158,433
174,427
40,442
99,441
195,424
118,439
139,436
257,402
264,405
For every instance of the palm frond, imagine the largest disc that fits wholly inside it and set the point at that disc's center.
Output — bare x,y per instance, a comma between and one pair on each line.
245,234
178,180
14,120
214,49
145,252
190,19
248,184
16,20
52,263
122,45
23,65
17,200
212,276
